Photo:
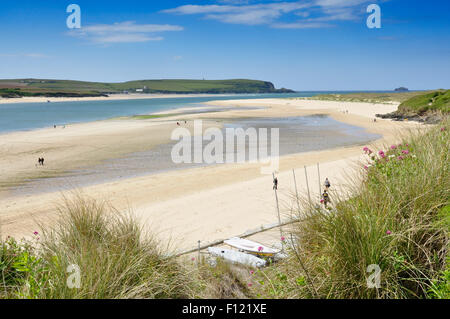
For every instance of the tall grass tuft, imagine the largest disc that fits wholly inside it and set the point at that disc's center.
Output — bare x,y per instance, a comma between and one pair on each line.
109,251
397,219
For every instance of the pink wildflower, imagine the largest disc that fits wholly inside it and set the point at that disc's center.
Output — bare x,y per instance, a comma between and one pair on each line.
406,152
260,248
365,167
400,158
393,147
382,154
388,232
283,238
442,129
36,233
252,272
250,284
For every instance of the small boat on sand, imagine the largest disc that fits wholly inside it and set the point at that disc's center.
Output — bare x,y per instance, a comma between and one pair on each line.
251,247
237,257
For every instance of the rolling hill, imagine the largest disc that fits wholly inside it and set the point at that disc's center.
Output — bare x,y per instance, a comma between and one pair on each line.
66,88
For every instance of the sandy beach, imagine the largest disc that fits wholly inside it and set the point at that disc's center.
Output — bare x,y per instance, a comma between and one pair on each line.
182,206
111,97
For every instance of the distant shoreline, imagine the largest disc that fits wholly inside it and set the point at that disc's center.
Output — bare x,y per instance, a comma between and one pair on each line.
111,97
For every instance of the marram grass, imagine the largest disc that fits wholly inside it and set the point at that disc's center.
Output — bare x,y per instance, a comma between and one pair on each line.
114,257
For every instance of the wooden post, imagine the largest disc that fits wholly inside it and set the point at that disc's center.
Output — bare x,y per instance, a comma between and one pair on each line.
296,191
307,186
198,260
278,207
320,185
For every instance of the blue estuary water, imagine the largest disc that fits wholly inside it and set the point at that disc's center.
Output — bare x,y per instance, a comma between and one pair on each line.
29,116
296,135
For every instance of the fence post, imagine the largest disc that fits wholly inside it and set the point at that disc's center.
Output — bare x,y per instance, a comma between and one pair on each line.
296,191
307,186
320,185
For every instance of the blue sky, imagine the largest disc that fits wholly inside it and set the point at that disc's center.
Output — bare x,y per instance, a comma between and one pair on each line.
302,45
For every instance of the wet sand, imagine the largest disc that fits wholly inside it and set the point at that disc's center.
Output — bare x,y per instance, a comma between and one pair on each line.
297,135
131,96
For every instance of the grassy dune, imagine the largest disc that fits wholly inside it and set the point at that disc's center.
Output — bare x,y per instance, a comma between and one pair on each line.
398,219
433,101
370,97
114,257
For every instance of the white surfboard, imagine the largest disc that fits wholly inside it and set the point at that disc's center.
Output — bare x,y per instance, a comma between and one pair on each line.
237,257
251,247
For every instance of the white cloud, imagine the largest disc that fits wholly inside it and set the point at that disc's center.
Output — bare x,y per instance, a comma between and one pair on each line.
301,25
124,32
308,13
241,14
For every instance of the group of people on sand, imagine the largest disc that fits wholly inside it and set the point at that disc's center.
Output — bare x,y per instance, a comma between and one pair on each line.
178,123
325,195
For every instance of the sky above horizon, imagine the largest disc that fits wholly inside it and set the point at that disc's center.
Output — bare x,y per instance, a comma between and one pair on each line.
302,45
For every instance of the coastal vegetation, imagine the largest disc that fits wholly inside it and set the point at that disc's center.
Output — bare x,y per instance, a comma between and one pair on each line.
396,216
66,88
368,97
433,101
114,257
428,107
423,106
396,219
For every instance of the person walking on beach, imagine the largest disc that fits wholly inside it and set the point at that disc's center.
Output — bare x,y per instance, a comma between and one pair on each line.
327,184
275,183
325,198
